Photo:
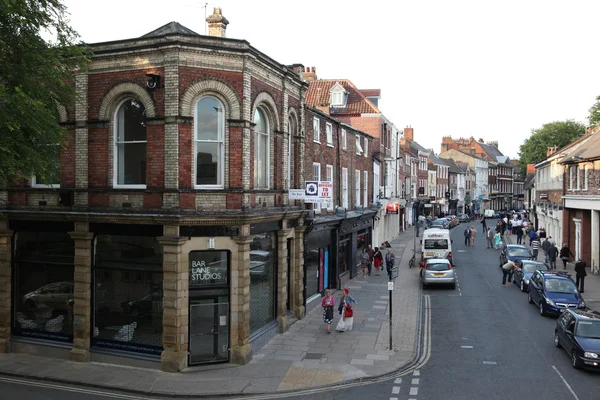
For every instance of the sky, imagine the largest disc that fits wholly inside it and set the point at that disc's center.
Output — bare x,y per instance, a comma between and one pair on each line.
494,70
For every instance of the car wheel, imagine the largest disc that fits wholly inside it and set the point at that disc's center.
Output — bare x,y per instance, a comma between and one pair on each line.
542,313
424,286
453,286
575,361
556,340
522,286
529,299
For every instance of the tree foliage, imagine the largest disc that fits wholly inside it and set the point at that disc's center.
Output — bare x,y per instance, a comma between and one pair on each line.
559,134
35,76
594,117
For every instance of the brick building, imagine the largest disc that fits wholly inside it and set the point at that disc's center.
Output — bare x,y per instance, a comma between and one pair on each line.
169,240
420,204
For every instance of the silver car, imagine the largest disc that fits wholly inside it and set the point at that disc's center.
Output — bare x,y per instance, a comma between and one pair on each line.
438,271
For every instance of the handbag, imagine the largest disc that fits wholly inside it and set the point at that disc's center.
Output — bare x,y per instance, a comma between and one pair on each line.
341,325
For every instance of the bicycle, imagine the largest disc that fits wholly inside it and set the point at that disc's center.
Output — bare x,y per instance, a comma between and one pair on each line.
411,262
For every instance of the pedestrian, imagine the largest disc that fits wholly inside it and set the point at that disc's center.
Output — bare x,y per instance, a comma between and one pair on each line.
345,301
389,261
580,274
499,226
509,227
535,246
507,271
497,240
473,235
532,236
348,317
377,260
364,262
542,233
519,235
328,303
552,254
490,238
467,234
370,252
484,225
565,252
545,246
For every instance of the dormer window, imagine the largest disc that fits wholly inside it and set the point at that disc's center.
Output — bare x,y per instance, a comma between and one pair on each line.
338,96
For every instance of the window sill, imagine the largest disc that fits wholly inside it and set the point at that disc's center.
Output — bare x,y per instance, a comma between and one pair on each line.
129,186
330,145
208,187
345,148
51,186
317,141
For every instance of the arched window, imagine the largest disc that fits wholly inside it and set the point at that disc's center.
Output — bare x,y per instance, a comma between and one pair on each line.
261,150
130,144
290,151
209,120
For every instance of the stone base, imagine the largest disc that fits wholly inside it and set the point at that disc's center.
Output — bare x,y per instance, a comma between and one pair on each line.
4,346
300,312
79,355
173,361
282,324
241,355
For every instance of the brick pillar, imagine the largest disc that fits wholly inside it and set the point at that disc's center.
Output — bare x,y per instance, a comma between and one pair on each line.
175,337
241,351
82,292
282,281
5,286
298,308
81,140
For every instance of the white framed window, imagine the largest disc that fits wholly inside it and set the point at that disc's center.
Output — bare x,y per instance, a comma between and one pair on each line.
329,132
316,130
317,177
130,145
344,140
585,177
359,149
337,98
345,188
262,135
209,143
290,151
570,178
365,188
577,177
329,177
366,147
357,187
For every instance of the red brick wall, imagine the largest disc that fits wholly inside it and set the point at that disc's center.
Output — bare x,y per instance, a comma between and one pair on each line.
190,75
234,201
155,156
67,160
235,158
185,156
17,198
98,158
98,200
187,201
259,87
153,200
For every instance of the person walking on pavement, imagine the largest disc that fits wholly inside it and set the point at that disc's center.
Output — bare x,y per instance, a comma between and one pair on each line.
552,256
377,261
370,252
473,235
519,235
467,234
328,303
580,274
545,247
565,252
490,238
389,261
509,227
507,271
484,224
535,246
364,262
532,235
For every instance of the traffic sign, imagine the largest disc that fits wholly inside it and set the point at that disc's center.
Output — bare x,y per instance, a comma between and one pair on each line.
390,285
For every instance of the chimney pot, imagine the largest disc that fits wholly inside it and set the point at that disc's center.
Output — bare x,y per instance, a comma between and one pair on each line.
217,23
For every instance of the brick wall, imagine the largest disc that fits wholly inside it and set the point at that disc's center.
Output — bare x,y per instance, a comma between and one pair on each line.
98,160
67,157
190,75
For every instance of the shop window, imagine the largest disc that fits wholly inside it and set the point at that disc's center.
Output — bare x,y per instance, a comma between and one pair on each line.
127,295
344,256
263,280
312,262
43,289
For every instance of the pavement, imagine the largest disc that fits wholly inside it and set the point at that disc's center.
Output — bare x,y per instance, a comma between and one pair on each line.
303,357
591,294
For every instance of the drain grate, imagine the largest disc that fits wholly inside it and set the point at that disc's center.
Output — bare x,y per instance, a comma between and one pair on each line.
313,356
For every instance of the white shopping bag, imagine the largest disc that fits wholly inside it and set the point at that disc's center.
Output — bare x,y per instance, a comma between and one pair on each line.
341,325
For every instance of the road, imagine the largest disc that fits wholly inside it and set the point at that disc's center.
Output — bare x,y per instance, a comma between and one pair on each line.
487,342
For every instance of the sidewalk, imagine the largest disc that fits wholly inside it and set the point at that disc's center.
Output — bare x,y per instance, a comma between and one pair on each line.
304,357
592,282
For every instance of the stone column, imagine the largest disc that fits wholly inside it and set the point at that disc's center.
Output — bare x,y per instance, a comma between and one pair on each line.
171,151
82,292
241,350
297,297
5,286
175,336
81,140
282,280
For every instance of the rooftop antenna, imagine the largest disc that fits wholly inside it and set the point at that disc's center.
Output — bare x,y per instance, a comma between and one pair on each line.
205,6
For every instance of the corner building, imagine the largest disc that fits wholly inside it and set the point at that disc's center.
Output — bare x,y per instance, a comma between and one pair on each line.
169,240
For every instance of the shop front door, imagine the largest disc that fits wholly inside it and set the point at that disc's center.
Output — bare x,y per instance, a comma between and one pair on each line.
209,330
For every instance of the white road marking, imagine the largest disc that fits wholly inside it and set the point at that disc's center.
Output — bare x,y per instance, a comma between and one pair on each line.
415,381
398,381
416,372
566,383
393,398
490,363
413,391
466,347
396,390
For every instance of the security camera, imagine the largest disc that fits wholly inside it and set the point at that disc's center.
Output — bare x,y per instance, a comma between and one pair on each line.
153,81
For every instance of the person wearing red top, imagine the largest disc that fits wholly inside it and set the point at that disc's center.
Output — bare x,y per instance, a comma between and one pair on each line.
377,261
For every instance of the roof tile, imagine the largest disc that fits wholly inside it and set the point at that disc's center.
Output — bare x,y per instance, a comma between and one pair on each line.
356,103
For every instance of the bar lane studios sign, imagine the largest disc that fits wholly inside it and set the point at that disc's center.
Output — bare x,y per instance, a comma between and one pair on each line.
207,268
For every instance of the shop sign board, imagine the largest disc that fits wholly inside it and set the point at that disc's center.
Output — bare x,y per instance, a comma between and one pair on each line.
207,268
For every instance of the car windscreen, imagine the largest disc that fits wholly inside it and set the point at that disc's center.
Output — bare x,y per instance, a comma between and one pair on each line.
527,267
436,244
554,285
518,252
438,266
588,329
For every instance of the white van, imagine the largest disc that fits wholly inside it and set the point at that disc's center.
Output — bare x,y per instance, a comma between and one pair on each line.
489,213
436,243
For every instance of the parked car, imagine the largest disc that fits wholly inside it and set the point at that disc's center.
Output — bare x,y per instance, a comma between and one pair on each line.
143,307
525,271
514,252
258,262
438,271
464,218
441,223
553,292
578,332
55,295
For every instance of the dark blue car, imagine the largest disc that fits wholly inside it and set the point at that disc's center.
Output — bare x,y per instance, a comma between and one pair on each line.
514,252
524,272
554,292
578,332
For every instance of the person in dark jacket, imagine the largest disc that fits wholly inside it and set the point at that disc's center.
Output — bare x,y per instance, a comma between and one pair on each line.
467,234
580,274
552,254
565,252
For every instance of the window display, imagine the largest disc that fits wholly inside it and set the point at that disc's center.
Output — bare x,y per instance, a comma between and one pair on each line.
127,294
263,274
43,290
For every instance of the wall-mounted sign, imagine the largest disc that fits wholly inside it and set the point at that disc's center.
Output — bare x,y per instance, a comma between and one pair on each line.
211,243
392,208
543,196
208,268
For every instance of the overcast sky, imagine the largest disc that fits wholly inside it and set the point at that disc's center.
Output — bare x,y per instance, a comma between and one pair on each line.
488,69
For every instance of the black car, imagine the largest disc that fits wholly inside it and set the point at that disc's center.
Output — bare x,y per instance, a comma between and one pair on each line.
464,218
514,252
578,332
524,272
553,292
